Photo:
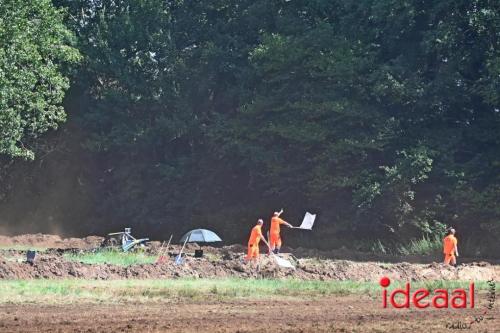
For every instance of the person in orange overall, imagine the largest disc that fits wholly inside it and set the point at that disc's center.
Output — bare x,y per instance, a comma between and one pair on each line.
254,240
274,232
450,249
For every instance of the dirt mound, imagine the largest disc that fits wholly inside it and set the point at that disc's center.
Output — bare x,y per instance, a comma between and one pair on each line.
226,261
53,265
51,241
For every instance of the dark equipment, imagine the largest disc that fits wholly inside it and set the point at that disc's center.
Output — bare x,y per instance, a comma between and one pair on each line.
30,256
125,239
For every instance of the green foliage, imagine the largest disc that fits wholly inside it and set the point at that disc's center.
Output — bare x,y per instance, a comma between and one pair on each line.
423,246
35,47
381,116
378,247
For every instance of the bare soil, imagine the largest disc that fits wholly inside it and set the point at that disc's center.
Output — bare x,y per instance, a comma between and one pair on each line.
351,313
51,241
226,261
326,314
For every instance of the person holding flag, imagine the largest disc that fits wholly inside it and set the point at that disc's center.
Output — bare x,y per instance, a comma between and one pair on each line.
274,231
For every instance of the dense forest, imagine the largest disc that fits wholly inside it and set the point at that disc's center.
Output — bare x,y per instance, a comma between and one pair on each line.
383,117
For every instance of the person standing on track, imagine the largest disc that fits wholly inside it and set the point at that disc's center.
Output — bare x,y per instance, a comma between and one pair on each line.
274,231
254,240
450,249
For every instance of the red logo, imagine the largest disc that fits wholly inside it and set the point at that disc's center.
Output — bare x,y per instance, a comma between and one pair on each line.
423,298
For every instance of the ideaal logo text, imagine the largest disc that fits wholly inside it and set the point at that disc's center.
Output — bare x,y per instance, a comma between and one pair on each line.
422,298
460,298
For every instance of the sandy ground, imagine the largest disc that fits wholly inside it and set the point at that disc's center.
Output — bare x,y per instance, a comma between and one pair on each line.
326,314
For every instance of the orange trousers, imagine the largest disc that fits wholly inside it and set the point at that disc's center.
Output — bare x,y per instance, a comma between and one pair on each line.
448,258
274,240
253,251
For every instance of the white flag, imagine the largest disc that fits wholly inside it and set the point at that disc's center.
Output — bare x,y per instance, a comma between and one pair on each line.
308,221
283,262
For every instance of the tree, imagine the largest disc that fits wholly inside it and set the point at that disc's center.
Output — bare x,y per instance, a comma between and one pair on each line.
380,115
35,49
383,114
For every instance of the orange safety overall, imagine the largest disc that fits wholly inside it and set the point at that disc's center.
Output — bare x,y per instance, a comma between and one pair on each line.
274,232
253,242
449,244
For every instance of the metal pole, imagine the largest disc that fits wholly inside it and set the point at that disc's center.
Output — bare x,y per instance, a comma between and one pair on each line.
179,256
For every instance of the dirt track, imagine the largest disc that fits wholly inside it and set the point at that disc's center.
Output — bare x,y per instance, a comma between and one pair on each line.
219,262
327,314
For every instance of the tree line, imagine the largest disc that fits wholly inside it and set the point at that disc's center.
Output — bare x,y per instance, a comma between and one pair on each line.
381,116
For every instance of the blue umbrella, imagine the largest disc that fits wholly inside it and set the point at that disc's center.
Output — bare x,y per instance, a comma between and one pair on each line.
200,236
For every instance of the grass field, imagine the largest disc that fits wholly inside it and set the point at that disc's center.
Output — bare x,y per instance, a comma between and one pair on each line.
112,257
69,291
220,305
